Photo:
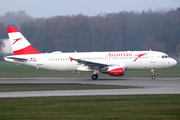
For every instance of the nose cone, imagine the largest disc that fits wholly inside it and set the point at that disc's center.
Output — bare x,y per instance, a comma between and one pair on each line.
173,62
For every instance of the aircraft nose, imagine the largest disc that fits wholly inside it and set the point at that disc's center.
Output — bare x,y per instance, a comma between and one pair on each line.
174,62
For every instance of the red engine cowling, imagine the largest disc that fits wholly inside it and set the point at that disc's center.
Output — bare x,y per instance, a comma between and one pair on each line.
116,71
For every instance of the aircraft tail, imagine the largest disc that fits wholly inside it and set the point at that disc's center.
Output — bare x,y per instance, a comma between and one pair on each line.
19,43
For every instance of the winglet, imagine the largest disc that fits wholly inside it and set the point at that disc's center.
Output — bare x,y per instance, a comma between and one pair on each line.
71,59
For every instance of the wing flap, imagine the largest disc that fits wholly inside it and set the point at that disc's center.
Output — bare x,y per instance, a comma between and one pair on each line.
90,64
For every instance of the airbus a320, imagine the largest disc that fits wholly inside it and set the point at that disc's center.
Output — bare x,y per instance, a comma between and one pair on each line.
114,63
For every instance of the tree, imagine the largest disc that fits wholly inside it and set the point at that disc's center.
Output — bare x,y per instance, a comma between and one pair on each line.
3,35
178,48
109,32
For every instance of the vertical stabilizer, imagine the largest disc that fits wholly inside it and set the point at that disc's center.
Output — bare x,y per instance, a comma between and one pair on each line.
20,45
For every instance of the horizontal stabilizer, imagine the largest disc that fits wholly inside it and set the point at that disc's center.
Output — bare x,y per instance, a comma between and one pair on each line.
16,59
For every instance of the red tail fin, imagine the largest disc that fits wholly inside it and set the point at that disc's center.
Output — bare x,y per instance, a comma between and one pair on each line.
19,43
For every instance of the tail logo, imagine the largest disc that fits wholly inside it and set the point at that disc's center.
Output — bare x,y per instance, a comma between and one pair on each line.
15,40
139,55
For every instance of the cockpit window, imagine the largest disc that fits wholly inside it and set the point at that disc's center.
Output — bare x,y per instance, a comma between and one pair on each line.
165,56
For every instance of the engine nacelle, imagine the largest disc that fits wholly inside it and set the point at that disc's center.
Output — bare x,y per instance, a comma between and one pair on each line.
116,71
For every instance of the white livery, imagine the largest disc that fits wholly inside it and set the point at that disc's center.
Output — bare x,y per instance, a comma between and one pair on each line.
113,63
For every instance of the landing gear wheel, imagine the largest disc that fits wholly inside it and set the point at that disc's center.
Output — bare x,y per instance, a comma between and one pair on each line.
152,72
95,76
153,77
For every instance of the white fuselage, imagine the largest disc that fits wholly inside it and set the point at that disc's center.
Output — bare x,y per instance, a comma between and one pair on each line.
129,59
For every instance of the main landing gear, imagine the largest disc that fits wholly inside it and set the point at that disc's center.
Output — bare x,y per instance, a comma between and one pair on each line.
95,77
152,72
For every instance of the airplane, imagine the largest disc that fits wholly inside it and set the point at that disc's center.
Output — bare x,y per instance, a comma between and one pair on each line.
114,63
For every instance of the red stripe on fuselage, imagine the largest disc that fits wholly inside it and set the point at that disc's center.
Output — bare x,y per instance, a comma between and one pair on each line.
27,50
12,29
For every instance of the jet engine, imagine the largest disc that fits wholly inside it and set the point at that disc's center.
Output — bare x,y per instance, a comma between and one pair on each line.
116,71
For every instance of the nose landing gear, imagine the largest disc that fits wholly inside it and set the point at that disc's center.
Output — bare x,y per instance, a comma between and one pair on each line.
153,77
152,72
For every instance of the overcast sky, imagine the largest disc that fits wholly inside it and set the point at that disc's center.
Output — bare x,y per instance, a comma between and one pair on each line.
50,8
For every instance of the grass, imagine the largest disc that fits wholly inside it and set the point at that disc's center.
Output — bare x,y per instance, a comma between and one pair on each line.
133,107
10,88
10,70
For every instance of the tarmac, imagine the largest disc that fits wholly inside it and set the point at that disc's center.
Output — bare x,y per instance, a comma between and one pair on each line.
147,86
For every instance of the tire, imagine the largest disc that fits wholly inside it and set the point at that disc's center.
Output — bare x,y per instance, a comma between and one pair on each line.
94,77
153,77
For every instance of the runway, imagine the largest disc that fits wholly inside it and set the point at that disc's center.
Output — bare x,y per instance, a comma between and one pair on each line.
148,86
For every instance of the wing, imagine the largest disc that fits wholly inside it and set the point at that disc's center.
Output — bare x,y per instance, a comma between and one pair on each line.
91,65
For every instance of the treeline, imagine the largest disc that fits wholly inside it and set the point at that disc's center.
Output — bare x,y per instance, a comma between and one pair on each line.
111,32
12,19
